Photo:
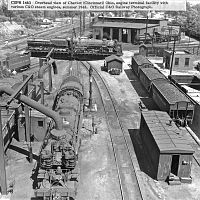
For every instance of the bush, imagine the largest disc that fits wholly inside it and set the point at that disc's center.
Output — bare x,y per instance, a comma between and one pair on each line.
3,18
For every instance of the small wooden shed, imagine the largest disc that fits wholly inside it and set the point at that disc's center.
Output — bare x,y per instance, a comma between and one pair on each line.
166,145
143,49
38,123
114,64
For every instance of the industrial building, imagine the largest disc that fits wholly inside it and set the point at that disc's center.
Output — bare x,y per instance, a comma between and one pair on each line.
125,29
183,60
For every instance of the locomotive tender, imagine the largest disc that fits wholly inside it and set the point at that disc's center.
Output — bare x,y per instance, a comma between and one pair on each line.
165,94
57,175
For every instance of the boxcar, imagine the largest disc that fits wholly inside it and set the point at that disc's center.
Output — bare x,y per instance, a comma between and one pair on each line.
168,149
139,62
148,75
170,99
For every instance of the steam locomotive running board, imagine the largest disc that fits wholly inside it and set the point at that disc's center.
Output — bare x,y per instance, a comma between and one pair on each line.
71,56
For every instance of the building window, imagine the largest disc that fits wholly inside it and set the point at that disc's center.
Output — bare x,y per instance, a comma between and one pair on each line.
40,123
176,61
187,61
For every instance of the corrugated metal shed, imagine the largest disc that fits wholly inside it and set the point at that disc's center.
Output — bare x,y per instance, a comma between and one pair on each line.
152,73
167,137
171,93
140,60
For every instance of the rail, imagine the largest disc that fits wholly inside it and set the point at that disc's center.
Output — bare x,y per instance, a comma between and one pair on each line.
116,131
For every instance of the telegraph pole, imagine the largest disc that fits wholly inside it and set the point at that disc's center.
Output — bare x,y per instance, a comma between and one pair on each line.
83,21
146,28
172,56
80,23
90,87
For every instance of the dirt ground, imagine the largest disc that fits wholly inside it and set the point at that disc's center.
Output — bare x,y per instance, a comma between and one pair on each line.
98,179
127,99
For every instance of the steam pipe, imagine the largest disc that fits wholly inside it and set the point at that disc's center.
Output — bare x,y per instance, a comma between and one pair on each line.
42,70
39,107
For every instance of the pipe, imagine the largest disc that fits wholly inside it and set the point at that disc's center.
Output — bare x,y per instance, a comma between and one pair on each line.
42,70
39,107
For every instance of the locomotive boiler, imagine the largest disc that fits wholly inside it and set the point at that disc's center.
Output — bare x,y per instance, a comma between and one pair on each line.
57,170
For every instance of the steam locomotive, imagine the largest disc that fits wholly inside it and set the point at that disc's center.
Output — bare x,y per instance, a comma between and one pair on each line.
57,169
78,45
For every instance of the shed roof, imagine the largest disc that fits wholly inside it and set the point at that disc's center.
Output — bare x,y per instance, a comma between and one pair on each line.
140,59
152,73
123,25
167,137
171,93
113,57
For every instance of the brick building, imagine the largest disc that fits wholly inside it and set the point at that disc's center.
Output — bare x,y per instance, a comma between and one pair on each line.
183,60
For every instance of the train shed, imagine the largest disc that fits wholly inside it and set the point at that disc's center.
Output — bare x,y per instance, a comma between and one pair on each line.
169,151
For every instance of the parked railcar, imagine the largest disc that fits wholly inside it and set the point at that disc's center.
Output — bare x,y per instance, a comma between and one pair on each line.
58,172
18,62
148,75
138,62
170,99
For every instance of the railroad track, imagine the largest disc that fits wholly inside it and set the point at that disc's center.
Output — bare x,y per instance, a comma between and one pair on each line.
54,32
130,188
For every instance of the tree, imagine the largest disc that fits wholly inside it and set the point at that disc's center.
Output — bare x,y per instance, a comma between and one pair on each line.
7,13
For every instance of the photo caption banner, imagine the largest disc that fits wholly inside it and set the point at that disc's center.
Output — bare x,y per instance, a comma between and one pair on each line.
97,5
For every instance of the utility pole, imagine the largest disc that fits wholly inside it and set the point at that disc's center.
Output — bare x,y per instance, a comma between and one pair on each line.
172,56
80,23
83,22
146,28
90,87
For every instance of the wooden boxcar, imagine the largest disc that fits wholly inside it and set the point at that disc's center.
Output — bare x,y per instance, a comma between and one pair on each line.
170,99
166,145
139,62
148,75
